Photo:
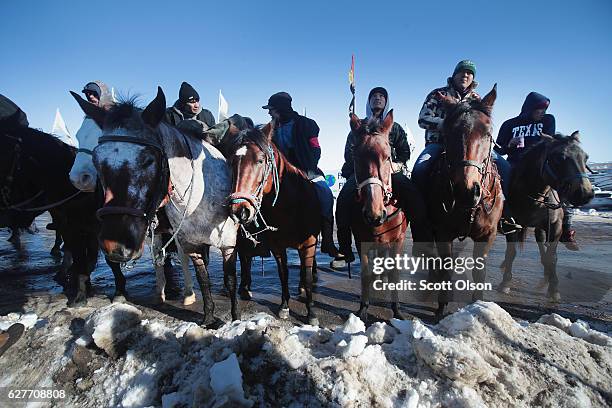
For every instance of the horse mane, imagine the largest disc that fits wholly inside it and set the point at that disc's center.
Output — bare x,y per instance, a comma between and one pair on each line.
125,113
534,152
255,136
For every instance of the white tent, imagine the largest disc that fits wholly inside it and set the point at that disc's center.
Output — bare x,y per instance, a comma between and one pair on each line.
60,131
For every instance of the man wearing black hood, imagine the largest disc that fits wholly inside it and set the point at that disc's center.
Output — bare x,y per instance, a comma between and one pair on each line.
297,137
404,189
187,113
525,130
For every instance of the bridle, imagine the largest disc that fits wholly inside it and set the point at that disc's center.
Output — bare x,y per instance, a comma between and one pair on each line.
386,187
164,191
256,198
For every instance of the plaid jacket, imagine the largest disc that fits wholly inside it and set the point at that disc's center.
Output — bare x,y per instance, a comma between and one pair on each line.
433,112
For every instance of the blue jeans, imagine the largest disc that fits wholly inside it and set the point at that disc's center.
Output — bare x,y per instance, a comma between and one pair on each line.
505,171
422,169
326,199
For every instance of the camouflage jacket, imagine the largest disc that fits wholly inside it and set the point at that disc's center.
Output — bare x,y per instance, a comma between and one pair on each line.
433,112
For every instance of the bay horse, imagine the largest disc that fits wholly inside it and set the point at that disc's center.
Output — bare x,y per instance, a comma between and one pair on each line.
269,191
377,220
464,195
84,176
34,170
145,164
551,173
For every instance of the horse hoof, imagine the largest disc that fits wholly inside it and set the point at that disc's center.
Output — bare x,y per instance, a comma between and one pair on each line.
337,264
78,301
504,288
363,314
302,293
245,294
212,324
118,298
398,315
554,297
189,300
313,321
283,314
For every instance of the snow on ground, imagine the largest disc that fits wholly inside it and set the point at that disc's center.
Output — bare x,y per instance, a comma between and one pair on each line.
121,355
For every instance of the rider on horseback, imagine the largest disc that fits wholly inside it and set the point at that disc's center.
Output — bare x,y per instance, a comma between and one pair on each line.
460,87
297,137
525,130
187,114
410,198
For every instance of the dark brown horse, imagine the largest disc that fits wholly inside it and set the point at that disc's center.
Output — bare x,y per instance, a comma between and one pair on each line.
380,221
270,192
464,196
551,172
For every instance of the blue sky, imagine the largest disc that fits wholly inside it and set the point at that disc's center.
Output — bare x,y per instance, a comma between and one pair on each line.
252,49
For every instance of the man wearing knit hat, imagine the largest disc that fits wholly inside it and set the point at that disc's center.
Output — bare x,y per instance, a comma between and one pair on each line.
297,137
460,87
409,197
187,113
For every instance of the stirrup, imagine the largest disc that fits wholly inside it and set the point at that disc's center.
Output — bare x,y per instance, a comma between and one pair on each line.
508,226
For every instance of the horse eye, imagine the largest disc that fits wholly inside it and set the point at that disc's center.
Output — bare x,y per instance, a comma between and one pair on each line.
148,162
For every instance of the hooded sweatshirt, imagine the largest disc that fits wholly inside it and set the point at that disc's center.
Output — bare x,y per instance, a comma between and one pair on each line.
524,126
400,148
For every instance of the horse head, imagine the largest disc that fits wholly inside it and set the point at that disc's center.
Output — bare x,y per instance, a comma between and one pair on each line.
255,171
468,143
372,162
133,169
83,173
564,168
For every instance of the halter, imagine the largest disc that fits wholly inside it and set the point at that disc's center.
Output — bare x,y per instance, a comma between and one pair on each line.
165,172
256,198
386,188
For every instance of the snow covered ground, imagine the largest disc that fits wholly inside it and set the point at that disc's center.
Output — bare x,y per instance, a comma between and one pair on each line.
123,355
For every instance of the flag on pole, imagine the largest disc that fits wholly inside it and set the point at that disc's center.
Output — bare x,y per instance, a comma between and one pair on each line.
223,108
352,84
60,131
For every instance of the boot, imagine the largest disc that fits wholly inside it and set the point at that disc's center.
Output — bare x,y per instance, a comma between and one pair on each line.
568,237
327,237
345,254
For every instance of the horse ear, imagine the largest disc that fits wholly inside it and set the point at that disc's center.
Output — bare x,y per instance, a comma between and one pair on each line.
489,98
355,122
576,136
547,137
268,131
388,122
95,112
154,112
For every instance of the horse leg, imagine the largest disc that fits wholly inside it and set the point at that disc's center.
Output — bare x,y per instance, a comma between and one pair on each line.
55,251
540,236
443,275
315,273
283,273
506,266
189,297
395,304
244,289
120,292
15,237
160,275
366,278
204,281
550,262
307,255
479,272
229,279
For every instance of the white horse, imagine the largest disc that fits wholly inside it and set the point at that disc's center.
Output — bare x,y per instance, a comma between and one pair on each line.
145,164
84,176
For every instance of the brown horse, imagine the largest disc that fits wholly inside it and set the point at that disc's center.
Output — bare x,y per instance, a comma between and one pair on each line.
464,196
381,222
271,193
551,172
